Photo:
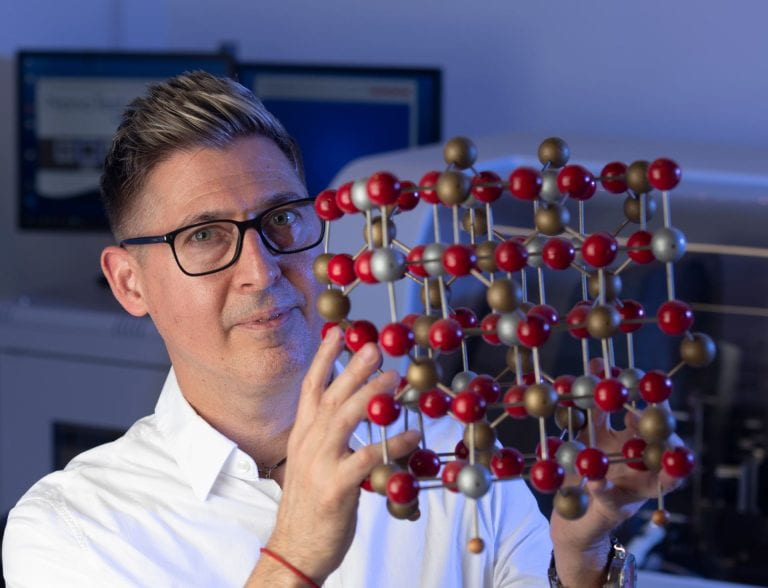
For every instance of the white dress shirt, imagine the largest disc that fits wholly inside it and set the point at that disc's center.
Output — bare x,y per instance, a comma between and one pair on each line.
175,503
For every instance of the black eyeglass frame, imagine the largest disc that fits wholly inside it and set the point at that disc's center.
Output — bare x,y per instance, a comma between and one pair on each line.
242,226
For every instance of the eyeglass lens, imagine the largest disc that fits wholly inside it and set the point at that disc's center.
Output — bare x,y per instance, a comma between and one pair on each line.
208,247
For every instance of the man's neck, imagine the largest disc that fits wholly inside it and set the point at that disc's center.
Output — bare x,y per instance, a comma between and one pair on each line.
257,418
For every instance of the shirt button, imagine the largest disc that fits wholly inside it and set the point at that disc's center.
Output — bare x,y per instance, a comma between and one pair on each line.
243,466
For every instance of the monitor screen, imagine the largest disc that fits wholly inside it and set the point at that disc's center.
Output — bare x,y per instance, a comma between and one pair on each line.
339,113
69,107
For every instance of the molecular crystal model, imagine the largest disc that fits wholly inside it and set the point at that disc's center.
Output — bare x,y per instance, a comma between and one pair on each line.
496,260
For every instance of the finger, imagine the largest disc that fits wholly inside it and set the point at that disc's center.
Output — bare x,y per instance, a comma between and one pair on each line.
362,365
318,374
346,417
358,466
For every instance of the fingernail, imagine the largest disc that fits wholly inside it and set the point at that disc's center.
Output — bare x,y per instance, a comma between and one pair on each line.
413,435
367,352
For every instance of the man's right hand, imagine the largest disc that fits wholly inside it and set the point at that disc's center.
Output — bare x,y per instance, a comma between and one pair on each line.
318,510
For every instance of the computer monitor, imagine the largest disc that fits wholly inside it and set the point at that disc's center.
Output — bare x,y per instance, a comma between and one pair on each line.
69,107
339,113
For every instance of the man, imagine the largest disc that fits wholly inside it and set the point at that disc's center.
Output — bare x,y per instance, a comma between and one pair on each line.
193,493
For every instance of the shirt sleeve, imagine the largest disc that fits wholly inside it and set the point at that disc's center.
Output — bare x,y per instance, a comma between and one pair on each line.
523,544
42,548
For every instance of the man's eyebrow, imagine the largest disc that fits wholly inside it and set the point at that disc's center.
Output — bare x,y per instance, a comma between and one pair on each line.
210,215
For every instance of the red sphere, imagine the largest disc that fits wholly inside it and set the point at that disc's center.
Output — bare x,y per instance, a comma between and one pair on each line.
533,331
507,463
655,386
409,196
592,463
325,328
465,317
613,177
525,183
599,249
468,407
396,339
409,319
489,324
562,385
486,387
610,395
674,317
363,268
547,475
515,395
445,335
484,192
633,449
576,319
640,239
359,333
461,450
664,174
678,462
558,253
576,182
341,269
366,485
427,185
545,311
344,199
383,188
553,444
451,472
434,403
630,310
326,207
424,463
413,259
511,255
459,260
383,410
402,488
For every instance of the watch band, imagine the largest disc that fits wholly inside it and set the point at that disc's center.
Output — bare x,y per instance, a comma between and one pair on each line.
620,569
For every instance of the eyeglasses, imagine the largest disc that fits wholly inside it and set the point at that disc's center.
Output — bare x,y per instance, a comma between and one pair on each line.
211,246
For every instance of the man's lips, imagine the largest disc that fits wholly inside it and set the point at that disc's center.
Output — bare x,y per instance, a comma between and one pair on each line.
267,316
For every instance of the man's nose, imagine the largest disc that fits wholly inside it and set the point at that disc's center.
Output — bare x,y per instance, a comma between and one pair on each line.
257,267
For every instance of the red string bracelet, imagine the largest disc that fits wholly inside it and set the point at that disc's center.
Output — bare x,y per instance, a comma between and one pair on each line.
297,572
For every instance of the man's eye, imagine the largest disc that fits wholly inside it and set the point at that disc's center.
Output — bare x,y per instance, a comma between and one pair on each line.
201,235
283,218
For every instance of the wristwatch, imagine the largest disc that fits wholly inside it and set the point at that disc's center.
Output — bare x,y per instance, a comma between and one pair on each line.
620,570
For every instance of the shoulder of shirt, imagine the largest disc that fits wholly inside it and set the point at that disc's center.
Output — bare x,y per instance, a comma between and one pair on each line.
138,452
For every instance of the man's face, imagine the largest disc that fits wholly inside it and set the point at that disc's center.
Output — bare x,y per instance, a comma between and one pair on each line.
254,321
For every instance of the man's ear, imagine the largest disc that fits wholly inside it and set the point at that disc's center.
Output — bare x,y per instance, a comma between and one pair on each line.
124,276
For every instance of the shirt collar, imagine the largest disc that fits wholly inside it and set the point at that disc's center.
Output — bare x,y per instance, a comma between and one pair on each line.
199,449
201,452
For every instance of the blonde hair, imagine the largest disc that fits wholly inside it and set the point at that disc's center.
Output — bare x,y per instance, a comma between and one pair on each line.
194,109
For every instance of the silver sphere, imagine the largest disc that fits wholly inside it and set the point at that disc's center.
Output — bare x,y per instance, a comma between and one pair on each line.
549,191
566,455
506,327
534,249
432,259
474,480
359,194
410,398
461,380
583,391
387,265
668,244
630,379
